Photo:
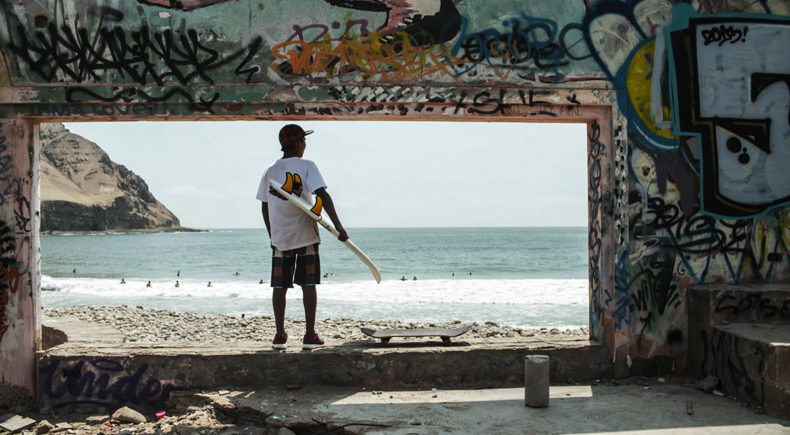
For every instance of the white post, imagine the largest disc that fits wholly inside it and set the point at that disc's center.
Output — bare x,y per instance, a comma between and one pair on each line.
536,381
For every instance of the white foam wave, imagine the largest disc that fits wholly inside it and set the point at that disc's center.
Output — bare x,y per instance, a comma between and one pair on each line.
494,291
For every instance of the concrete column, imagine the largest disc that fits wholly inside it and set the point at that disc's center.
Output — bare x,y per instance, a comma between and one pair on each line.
536,381
19,273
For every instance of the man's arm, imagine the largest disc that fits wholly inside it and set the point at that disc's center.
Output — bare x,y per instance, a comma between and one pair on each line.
265,213
329,206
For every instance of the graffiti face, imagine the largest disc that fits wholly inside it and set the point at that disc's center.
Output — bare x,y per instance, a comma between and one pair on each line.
737,100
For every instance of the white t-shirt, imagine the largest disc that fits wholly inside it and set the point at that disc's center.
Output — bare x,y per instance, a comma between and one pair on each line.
291,228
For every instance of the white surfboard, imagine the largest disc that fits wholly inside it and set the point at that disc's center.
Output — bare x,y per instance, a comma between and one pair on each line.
315,213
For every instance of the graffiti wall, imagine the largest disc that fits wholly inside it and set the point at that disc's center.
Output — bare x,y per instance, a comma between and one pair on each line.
686,104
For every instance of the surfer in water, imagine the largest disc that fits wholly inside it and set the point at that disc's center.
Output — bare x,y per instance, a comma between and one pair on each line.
293,234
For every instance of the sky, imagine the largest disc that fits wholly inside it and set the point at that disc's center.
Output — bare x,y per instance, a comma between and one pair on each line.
380,174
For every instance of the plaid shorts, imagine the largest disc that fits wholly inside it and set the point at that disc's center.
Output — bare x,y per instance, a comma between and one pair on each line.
300,266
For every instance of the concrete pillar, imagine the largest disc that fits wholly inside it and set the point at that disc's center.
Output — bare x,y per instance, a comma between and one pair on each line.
19,261
536,381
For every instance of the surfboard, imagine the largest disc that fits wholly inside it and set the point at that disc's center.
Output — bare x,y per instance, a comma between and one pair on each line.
314,211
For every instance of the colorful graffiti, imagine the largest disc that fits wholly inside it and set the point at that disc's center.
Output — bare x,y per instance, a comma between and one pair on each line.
392,55
737,110
444,43
687,186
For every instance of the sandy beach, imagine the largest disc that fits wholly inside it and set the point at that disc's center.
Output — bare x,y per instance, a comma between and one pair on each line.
150,325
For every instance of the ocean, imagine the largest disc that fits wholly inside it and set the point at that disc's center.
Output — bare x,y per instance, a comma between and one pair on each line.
521,277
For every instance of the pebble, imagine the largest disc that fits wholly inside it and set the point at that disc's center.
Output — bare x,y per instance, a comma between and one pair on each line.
153,325
128,415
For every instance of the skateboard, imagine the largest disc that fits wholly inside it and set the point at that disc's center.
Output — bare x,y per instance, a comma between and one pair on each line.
446,334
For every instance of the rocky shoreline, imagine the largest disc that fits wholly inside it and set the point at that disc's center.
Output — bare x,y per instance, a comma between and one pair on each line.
152,325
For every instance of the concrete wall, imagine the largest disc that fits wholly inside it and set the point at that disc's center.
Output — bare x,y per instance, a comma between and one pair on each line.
686,105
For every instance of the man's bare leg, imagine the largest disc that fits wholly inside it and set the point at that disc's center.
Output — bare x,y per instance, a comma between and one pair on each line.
310,297
278,303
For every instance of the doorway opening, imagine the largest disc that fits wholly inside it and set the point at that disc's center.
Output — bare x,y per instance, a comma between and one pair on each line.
470,222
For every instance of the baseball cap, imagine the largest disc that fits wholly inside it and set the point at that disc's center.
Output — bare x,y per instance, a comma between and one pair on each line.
291,133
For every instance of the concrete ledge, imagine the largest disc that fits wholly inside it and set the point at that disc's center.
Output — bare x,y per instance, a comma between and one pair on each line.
751,363
109,375
709,305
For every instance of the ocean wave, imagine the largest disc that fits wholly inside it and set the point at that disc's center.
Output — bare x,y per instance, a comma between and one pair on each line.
437,291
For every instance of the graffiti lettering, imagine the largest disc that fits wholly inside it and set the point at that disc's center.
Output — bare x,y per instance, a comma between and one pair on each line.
127,95
596,150
761,306
63,53
120,109
722,34
183,5
483,102
654,293
22,214
522,43
101,382
395,56
621,286
302,33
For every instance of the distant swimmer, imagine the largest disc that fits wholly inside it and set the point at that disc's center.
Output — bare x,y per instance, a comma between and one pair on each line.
209,284
149,284
261,282
123,281
403,278
178,274
178,284
414,279
237,274
74,271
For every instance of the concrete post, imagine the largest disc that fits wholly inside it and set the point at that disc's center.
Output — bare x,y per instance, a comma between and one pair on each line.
20,329
536,381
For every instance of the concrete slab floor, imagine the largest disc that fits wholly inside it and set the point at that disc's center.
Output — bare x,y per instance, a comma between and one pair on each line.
645,406
573,409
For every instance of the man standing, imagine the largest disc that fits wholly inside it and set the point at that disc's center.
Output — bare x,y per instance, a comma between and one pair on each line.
293,234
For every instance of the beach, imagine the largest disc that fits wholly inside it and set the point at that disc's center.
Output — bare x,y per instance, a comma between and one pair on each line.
139,324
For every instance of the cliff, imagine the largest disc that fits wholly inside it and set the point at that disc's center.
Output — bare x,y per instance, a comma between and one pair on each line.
83,190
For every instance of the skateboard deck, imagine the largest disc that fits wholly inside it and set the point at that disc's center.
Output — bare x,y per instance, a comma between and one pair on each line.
446,334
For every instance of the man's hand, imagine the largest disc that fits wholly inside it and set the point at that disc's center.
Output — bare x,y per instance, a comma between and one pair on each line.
329,207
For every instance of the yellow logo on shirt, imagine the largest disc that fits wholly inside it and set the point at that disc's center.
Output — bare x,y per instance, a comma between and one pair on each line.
293,184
